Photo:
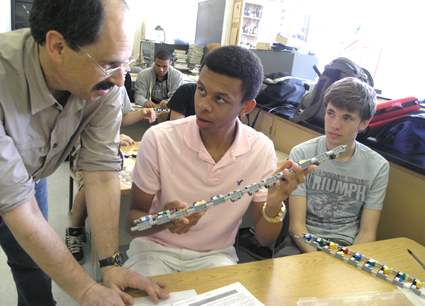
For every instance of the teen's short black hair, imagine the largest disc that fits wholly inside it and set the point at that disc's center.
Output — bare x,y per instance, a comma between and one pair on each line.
163,55
240,63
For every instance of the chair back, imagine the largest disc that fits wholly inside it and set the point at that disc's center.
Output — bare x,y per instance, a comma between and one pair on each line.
135,69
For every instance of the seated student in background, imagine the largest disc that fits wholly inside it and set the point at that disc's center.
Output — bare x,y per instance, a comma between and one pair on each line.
342,199
182,104
76,234
194,158
157,84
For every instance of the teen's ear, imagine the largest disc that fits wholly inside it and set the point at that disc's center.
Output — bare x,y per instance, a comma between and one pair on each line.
55,45
247,107
364,124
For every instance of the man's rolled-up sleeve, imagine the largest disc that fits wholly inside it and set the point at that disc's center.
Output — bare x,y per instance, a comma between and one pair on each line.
100,138
16,185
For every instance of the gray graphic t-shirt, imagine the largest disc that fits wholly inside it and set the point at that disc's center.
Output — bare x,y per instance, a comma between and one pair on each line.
338,191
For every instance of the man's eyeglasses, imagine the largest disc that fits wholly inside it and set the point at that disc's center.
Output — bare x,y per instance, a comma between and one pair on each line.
107,73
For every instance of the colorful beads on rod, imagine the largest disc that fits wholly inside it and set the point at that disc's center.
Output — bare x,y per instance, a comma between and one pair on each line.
401,279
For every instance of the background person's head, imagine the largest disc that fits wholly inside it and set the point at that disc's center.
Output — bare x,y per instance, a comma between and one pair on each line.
352,94
162,63
240,63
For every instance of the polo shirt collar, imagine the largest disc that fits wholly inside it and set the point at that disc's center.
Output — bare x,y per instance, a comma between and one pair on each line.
240,145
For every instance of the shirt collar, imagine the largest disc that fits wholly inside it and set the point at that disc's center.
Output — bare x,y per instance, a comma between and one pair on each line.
40,96
240,145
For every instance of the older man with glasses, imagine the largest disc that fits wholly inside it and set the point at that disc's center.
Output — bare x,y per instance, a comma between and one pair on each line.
53,91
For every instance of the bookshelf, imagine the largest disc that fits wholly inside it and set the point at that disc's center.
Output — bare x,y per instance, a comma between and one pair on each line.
246,20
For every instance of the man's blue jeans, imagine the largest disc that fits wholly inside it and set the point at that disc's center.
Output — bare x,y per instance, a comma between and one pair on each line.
33,285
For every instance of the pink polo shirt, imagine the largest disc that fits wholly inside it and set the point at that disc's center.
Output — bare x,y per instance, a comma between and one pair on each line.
173,164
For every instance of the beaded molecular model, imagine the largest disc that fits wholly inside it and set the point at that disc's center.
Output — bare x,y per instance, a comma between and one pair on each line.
125,176
160,110
146,222
401,279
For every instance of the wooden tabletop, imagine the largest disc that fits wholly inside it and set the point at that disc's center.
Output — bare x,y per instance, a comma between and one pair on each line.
283,281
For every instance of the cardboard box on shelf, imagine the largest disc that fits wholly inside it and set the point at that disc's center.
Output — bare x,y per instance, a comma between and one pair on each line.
280,39
263,46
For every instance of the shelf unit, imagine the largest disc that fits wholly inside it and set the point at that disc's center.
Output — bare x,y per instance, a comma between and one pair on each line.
247,16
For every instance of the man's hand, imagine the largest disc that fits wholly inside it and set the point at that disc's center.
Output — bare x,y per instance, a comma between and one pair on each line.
100,295
126,140
120,278
283,189
149,113
149,104
163,104
182,225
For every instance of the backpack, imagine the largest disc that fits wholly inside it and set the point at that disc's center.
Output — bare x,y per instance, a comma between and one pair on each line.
311,106
405,135
279,89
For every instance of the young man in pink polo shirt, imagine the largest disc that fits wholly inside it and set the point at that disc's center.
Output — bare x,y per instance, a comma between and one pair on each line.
189,160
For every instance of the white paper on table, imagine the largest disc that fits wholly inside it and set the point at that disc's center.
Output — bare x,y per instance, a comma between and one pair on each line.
231,295
174,297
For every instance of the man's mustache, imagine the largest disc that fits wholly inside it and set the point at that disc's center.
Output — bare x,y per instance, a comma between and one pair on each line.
104,85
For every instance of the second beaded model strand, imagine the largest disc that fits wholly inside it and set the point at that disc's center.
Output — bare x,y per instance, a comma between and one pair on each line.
400,279
146,222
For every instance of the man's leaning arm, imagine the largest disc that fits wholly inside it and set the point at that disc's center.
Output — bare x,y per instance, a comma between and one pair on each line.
42,243
103,200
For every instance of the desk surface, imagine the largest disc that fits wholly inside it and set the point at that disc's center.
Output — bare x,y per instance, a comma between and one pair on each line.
308,275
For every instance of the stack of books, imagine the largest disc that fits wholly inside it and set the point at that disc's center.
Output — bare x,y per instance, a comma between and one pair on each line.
180,59
194,55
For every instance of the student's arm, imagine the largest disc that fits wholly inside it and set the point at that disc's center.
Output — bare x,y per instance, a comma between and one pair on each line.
140,205
297,218
133,117
370,216
176,115
126,140
265,231
163,104
149,104
368,226
141,87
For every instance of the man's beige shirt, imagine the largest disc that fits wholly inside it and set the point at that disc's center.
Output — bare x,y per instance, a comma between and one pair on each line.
37,133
